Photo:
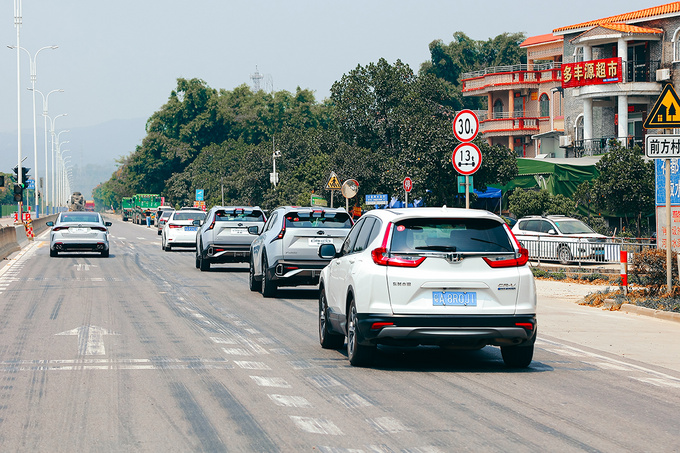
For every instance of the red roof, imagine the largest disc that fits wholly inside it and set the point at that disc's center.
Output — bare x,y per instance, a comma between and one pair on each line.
624,28
669,8
541,39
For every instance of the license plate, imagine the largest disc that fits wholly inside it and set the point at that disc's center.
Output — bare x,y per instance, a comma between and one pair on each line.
239,231
190,228
454,298
319,241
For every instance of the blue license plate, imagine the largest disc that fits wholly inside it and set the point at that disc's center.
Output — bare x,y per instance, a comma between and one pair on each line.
454,298
191,228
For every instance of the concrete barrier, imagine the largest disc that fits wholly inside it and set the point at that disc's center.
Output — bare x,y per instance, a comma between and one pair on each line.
13,237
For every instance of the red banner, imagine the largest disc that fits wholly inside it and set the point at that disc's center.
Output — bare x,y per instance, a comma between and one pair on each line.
593,72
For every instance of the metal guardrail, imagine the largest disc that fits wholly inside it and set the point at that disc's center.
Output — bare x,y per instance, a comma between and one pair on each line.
512,68
577,250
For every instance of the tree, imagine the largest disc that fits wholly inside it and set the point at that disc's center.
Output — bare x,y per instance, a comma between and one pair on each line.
523,203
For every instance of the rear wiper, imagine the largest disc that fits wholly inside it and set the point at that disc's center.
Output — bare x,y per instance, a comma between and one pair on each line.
439,248
492,243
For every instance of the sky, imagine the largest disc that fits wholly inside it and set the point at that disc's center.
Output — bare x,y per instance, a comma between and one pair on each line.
120,59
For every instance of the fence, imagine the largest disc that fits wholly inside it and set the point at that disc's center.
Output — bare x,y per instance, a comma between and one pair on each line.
577,250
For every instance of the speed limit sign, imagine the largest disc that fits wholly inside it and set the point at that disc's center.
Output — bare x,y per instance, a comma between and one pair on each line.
466,158
465,125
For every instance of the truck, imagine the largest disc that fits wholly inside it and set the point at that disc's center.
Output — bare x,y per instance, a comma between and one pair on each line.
126,208
76,202
89,205
143,205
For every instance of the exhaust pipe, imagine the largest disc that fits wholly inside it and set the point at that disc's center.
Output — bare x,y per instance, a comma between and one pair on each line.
279,269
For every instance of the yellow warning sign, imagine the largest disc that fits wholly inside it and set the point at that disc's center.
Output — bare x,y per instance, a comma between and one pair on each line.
666,111
333,182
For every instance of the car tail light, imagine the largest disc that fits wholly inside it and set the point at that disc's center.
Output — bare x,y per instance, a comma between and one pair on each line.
380,325
60,228
212,225
525,325
281,233
520,259
98,228
172,225
382,257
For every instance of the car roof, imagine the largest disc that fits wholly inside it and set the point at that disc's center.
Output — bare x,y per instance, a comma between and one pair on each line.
228,208
309,208
443,212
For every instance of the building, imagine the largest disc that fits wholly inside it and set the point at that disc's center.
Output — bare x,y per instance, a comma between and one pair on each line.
525,110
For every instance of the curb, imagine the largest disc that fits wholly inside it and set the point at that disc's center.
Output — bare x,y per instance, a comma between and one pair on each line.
634,309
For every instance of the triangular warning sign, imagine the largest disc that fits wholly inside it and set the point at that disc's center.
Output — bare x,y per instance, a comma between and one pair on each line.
666,111
333,182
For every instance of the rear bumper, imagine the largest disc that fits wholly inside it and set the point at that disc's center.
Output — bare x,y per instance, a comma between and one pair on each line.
297,272
469,331
225,253
94,246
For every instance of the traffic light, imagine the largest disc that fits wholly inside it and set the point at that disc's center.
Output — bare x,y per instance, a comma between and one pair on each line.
2,180
24,173
19,192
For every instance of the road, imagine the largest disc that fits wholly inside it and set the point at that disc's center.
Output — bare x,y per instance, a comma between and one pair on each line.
143,352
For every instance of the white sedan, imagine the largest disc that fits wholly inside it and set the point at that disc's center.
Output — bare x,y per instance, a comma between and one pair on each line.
79,232
179,230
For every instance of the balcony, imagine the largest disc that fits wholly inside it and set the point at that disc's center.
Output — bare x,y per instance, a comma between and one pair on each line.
511,123
597,146
513,76
640,71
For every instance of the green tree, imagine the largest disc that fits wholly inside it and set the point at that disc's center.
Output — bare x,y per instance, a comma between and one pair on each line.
523,203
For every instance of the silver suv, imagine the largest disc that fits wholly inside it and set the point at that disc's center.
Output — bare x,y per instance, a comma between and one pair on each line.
285,253
224,238
428,276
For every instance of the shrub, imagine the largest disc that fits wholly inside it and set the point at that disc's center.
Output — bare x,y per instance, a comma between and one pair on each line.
648,268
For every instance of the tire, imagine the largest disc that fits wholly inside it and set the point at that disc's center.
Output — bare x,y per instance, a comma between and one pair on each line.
203,264
268,285
253,283
327,338
105,254
564,255
53,253
517,356
358,354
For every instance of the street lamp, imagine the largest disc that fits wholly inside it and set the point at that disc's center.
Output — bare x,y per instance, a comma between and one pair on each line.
273,176
58,168
34,75
46,99
52,121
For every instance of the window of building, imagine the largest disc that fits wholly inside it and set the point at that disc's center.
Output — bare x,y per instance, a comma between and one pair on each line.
544,105
498,109
676,45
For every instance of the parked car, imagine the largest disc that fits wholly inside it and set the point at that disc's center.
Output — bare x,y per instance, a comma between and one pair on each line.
285,253
79,231
179,230
162,217
223,237
561,238
428,276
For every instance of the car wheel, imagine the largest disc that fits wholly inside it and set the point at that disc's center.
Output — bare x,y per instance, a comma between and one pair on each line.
253,284
53,253
358,354
268,285
517,356
105,254
327,338
564,255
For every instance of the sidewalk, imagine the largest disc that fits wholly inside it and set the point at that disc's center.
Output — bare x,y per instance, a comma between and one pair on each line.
625,334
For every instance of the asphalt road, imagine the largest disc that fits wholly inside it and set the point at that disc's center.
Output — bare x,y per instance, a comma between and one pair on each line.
143,352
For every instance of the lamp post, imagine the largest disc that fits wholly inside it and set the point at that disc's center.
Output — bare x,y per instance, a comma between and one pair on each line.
273,176
46,99
34,75
63,175
58,168
52,121
17,25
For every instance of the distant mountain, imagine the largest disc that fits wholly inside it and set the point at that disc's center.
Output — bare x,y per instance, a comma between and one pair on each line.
93,150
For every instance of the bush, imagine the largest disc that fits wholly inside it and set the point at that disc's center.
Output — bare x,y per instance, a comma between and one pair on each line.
648,268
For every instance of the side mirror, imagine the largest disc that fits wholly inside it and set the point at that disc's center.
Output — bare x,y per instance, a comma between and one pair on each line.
552,231
254,230
49,224
197,222
327,251
108,224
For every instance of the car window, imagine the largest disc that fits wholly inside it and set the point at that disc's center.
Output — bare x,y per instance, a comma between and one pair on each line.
271,221
80,217
239,215
573,226
348,244
531,225
364,235
189,215
318,219
546,226
450,235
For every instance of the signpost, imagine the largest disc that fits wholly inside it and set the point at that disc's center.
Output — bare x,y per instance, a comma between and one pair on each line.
333,184
408,186
467,157
374,199
199,194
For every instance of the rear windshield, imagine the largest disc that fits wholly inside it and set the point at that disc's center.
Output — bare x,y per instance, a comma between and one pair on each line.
239,215
80,217
318,219
450,235
189,215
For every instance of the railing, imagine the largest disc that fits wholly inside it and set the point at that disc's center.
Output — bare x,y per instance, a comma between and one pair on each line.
484,115
640,71
577,250
512,68
597,146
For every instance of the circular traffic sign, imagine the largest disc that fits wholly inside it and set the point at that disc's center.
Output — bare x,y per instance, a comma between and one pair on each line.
408,184
465,125
466,158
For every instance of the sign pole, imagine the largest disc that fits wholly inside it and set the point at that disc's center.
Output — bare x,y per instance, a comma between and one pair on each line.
669,234
467,191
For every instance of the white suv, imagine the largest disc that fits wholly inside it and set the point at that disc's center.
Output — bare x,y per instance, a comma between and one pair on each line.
434,276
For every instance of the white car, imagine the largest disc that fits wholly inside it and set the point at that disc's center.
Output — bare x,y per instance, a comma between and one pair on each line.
428,276
79,231
179,230
561,238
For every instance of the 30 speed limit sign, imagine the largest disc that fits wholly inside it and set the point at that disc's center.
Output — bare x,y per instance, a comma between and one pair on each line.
465,125
466,158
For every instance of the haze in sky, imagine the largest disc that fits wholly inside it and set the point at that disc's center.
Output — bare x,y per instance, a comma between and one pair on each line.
120,59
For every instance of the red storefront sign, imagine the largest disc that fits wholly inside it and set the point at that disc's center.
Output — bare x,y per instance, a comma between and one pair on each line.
593,72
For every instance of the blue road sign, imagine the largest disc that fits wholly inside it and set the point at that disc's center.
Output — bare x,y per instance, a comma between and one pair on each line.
380,198
31,184
661,182
199,194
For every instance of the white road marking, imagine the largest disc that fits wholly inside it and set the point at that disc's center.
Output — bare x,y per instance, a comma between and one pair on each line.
108,364
90,339
316,425
237,351
290,401
386,425
351,401
252,365
220,340
270,382
323,381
